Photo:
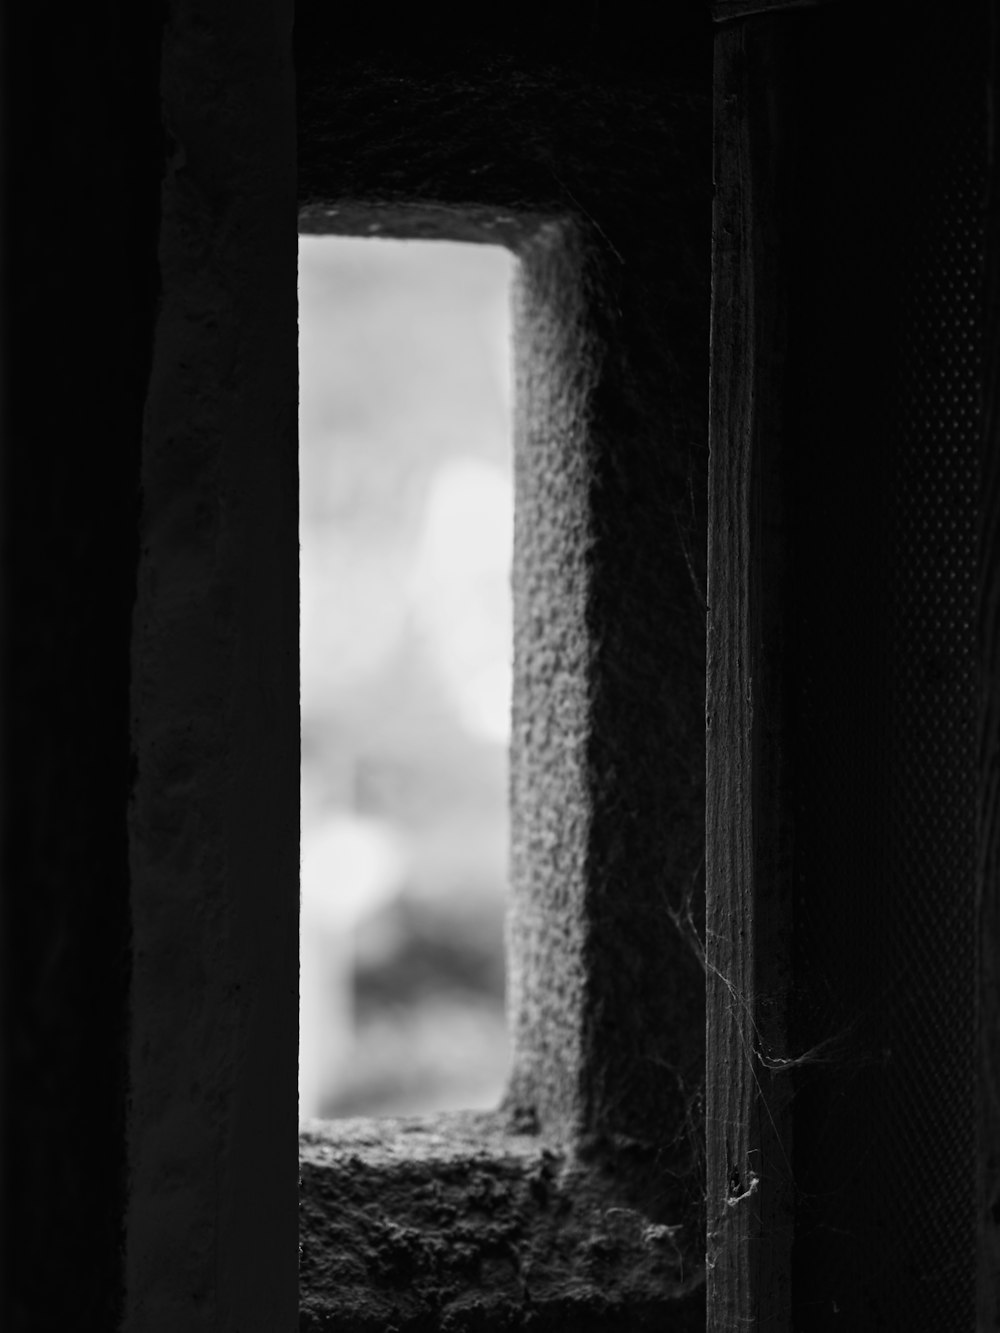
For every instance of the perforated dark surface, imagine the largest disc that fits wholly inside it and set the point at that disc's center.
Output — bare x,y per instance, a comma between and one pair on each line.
886,690
932,719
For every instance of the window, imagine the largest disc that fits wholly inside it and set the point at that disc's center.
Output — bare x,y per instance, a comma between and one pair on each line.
582,1131
406,525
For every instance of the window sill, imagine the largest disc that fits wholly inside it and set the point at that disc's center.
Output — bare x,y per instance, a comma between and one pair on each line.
457,1222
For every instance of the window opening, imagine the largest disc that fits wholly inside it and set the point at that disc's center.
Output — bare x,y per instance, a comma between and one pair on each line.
406,520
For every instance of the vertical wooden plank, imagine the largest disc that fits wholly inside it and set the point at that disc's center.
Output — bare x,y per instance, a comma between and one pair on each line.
212,1225
747,838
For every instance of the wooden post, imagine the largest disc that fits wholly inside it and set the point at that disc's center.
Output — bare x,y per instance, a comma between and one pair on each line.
748,1141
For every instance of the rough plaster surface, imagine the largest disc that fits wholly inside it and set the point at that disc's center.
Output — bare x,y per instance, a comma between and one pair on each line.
457,1223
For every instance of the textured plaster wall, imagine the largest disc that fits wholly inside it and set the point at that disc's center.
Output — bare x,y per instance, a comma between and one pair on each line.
607,743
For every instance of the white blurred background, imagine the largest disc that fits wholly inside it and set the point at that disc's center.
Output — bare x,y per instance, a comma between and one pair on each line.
406,523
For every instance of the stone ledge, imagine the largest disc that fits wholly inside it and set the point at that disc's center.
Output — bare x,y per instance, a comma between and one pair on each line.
459,1222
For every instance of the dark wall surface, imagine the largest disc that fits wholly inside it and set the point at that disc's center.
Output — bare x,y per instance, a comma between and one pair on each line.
82,156
885,439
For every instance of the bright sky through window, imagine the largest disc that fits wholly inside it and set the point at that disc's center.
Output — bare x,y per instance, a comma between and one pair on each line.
406,523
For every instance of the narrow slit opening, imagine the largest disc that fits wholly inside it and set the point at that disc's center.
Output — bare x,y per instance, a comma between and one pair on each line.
406,523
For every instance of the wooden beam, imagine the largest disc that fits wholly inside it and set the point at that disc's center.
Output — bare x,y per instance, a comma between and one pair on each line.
748,880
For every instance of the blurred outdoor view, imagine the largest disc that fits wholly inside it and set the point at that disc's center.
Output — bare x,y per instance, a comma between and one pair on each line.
406,524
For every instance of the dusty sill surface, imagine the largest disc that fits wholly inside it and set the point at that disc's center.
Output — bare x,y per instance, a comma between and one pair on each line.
459,1222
